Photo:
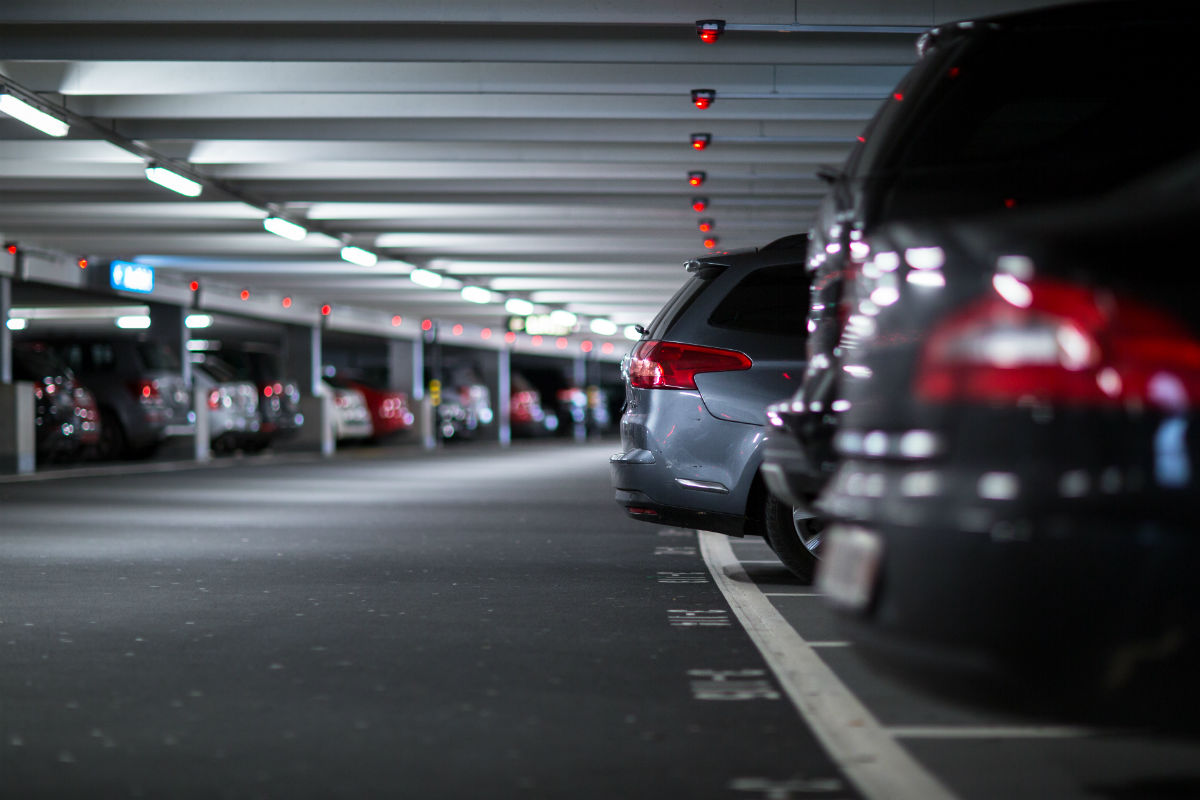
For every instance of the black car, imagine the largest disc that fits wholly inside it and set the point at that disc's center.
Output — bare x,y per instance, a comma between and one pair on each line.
1016,504
62,404
138,386
999,115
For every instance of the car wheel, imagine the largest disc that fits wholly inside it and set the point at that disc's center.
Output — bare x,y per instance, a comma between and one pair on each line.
795,536
112,437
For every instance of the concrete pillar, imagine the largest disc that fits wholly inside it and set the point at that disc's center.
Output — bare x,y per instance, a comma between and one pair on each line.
302,360
203,437
504,401
166,325
5,333
18,444
579,379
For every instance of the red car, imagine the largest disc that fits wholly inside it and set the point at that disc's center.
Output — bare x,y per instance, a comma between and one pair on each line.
389,409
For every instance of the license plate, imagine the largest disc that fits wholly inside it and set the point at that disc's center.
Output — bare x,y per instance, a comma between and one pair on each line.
849,566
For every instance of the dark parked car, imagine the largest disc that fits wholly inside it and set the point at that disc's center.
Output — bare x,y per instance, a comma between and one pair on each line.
1000,115
527,416
138,386
728,343
465,403
279,396
65,418
1017,500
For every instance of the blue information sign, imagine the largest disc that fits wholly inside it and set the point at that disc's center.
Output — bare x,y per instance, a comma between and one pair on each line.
130,277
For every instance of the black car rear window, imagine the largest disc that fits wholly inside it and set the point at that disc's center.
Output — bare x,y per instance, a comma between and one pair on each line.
770,300
680,302
156,356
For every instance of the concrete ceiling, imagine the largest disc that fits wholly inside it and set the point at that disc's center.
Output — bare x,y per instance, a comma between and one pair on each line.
540,149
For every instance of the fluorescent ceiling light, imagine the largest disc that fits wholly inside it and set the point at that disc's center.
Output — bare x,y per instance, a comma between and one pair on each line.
173,181
17,323
285,228
133,321
198,320
33,117
423,277
562,317
632,333
356,255
518,306
603,327
476,294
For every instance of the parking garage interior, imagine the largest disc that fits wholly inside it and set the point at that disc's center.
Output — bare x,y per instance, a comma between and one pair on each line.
477,208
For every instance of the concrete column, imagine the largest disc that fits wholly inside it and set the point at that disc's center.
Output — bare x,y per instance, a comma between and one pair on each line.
504,401
166,325
5,333
579,378
302,360
18,444
203,438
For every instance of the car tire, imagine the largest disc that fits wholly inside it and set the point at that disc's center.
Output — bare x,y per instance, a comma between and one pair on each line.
794,535
112,445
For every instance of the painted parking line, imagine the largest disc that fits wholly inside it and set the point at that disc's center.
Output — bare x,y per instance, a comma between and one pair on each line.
990,732
866,752
791,594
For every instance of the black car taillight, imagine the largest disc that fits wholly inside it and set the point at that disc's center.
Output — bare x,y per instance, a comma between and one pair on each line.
1053,342
146,391
674,365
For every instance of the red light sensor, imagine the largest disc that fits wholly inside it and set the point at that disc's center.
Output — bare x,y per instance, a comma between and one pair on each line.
697,178
83,263
286,302
245,294
699,204
706,225
701,140
194,286
325,309
703,98
709,30
710,242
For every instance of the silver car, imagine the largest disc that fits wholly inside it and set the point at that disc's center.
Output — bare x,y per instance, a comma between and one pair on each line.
232,404
728,344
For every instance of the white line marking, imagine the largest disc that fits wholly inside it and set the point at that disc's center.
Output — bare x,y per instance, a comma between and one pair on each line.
793,594
868,755
774,561
988,732
830,644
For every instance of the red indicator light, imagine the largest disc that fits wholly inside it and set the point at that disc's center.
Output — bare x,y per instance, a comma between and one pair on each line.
701,140
955,72
426,324
703,98
83,263
862,138
607,347
457,330
710,242
642,512
268,391
486,333
194,286
709,30
561,343
286,302
536,341
699,204
245,294
510,337
1010,202
898,97
12,249
585,346
697,178
396,320
706,225
325,309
